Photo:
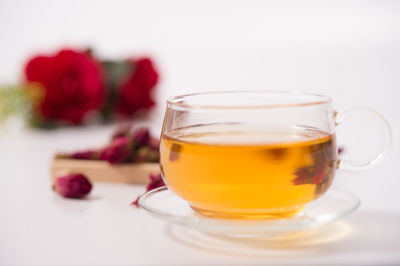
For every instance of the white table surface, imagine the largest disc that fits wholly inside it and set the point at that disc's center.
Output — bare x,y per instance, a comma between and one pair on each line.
38,227
345,49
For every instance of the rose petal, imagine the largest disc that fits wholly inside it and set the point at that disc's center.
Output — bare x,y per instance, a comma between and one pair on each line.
156,181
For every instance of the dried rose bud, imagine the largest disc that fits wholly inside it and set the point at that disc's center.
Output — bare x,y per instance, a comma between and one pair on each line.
340,150
153,156
72,186
146,154
141,137
63,156
85,155
122,131
118,151
154,144
139,157
156,181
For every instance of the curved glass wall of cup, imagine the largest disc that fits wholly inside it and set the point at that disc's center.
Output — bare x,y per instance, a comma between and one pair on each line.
250,109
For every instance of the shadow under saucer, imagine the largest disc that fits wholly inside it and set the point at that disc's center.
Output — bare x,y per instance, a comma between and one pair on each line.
364,231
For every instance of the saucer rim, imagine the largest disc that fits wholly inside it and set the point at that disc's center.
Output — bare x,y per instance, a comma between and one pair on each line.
207,224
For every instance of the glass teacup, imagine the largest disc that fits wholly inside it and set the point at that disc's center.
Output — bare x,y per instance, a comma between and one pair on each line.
253,154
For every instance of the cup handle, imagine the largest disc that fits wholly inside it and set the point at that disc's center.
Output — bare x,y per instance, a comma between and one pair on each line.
386,133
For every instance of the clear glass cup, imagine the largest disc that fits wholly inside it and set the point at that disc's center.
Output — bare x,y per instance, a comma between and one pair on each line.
253,154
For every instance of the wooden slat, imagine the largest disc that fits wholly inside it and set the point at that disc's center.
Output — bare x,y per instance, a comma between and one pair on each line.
100,171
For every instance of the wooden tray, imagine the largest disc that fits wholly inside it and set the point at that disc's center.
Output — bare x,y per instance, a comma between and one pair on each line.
101,171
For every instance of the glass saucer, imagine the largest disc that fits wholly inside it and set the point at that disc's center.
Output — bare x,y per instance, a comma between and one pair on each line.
336,203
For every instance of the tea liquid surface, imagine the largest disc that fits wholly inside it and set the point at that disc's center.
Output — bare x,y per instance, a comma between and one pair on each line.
248,171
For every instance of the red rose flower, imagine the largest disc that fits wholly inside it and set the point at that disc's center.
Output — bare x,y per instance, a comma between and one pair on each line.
135,93
72,84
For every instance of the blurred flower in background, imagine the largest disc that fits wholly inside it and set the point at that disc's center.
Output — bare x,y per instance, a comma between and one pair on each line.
136,90
71,82
73,87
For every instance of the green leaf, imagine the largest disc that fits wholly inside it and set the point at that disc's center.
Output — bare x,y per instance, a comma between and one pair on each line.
116,72
38,122
14,100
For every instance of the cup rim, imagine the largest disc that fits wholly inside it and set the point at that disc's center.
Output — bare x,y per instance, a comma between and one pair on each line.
178,101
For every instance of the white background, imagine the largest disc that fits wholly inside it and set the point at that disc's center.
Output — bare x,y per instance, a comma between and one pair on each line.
349,50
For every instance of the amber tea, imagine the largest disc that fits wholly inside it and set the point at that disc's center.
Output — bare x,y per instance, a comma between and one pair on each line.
255,154
230,171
